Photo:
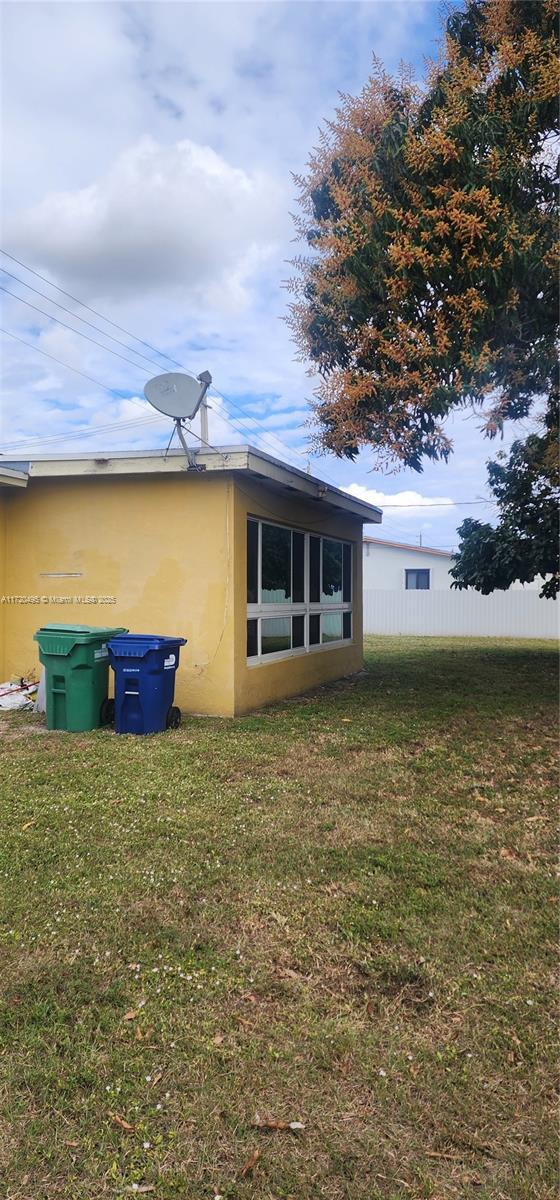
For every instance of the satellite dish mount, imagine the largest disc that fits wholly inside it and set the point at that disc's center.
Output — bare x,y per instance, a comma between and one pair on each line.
180,397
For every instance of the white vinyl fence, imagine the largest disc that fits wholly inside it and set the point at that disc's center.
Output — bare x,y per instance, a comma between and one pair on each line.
513,614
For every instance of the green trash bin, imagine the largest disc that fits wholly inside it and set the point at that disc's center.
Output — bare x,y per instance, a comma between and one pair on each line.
76,675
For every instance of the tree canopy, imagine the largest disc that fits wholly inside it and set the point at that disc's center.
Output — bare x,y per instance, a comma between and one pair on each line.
431,216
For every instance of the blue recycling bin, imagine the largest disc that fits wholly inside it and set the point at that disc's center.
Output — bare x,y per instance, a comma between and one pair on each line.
145,667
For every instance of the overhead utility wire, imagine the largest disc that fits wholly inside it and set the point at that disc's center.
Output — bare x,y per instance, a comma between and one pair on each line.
163,354
114,392
86,431
264,436
83,374
98,382
82,303
83,431
70,327
77,317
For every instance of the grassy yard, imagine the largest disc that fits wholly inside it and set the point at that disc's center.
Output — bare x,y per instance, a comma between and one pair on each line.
338,912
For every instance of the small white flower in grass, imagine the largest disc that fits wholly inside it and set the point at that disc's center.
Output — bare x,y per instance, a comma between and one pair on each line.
409,1056
158,1106
146,1145
148,1078
167,1095
382,1072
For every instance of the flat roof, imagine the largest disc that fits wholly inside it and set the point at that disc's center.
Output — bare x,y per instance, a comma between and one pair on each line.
9,477
406,546
246,459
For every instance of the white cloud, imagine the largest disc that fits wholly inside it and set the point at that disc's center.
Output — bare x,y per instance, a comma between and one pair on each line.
412,502
163,217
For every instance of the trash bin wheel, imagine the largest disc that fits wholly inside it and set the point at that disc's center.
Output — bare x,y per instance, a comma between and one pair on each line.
173,717
107,714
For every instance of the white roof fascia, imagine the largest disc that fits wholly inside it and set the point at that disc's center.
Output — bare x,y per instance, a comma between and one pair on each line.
247,459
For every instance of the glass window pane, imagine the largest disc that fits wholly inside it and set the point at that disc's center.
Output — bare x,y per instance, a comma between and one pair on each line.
298,631
252,562
314,570
332,572
252,638
347,625
276,634
347,573
417,580
314,629
276,551
331,627
298,550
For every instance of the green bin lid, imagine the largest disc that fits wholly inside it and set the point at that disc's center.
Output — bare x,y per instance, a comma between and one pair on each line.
79,634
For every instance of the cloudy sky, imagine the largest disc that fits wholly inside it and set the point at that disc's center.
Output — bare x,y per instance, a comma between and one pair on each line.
148,154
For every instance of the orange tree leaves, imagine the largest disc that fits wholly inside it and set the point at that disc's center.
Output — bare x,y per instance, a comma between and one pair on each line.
431,222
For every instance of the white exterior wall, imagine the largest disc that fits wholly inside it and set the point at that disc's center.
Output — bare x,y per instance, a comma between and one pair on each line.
442,611
384,567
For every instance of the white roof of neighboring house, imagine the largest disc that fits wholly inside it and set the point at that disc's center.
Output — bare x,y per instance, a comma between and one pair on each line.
407,546
252,462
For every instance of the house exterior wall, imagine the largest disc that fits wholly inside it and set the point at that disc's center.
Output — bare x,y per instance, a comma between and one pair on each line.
172,550
263,682
384,567
159,545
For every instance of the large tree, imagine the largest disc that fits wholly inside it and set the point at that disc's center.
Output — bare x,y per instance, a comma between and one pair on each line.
431,280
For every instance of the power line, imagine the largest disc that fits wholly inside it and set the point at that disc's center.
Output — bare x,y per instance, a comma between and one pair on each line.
264,436
89,308
84,431
83,374
64,324
439,504
77,317
87,431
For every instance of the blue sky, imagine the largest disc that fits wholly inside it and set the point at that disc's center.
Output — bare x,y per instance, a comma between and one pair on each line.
148,158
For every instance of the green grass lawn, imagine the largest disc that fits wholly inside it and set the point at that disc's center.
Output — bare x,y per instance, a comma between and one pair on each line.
339,911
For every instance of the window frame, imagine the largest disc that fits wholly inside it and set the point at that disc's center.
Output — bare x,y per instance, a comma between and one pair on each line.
260,610
414,571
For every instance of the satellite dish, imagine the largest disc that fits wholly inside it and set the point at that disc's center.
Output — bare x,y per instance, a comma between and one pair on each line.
178,396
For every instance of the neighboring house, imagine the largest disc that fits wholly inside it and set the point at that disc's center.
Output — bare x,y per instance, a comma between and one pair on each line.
395,566
257,564
407,589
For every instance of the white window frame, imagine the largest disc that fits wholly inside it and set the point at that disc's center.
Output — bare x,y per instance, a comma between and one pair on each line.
260,611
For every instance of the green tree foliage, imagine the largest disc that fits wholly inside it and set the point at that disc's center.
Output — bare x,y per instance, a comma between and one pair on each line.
431,282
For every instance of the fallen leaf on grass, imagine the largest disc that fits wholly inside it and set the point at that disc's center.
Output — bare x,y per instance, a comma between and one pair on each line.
218,1039
141,1189
251,1163
269,1123
156,1078
508,854
28,824
120,1121
131,1016
73,1144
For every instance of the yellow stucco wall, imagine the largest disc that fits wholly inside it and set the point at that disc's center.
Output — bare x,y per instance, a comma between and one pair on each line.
265,682
172,549
158,544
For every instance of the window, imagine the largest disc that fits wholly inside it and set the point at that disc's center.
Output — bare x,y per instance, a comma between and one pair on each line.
417,581
299,591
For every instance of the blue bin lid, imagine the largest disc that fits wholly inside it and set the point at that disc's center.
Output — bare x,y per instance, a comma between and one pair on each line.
136,645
